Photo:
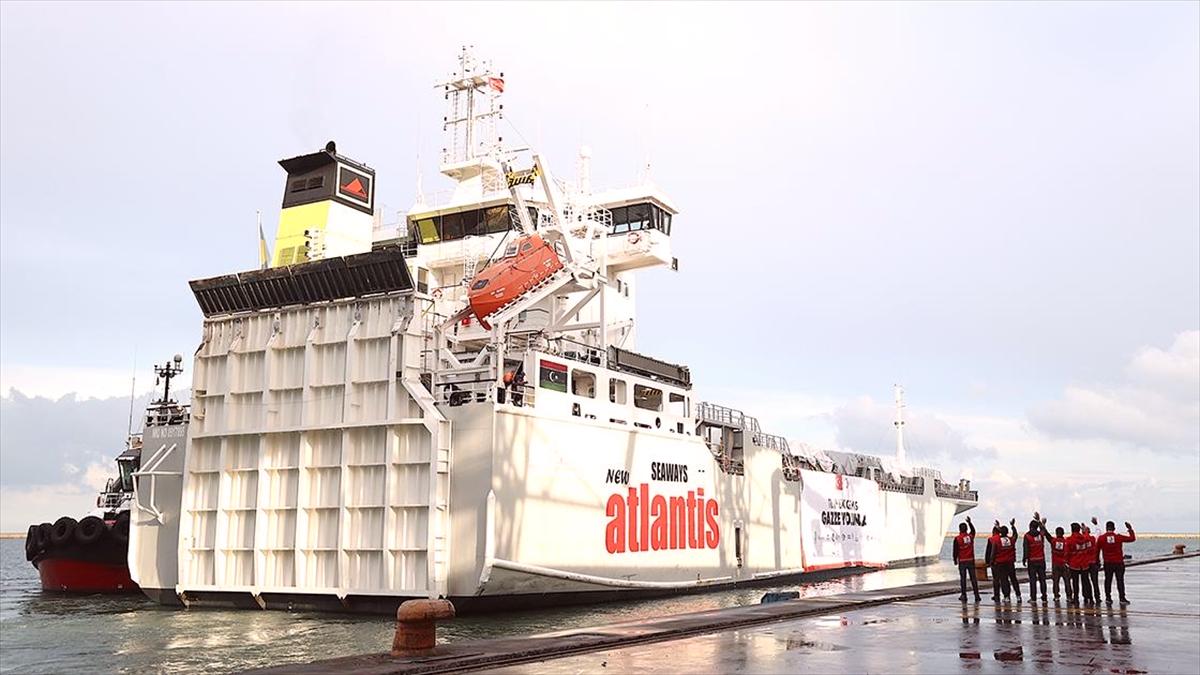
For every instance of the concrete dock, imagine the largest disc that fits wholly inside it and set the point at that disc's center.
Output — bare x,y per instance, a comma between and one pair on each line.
921,628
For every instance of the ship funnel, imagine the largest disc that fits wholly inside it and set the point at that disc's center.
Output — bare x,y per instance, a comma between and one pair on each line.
328,208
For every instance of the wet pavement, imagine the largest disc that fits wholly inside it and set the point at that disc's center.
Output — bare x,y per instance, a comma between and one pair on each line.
1158,633
919,628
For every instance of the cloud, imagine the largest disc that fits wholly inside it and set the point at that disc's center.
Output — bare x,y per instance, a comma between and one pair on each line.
57,381
1156,407
55,455
1175,370
1150,504
51,442
21,507
865,425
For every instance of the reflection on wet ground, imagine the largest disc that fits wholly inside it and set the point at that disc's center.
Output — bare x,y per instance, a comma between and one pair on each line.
1160,632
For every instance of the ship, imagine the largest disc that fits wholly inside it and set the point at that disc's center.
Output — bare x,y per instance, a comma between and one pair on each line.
90,555
457,407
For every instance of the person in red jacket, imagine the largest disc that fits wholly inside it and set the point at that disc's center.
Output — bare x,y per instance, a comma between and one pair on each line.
1058,561
964,557
1012,569
1109,544
1004,559
989,559
1079,554
1033,555
1094,561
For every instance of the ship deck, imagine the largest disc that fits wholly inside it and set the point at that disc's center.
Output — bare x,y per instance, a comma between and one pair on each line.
921,628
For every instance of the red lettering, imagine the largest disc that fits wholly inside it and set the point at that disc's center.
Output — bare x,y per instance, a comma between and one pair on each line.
640,521
614,534
678,515
713,537
645,528
633,525
691,520
658,531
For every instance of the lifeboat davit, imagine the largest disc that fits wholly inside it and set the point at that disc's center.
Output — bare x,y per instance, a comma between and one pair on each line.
526,264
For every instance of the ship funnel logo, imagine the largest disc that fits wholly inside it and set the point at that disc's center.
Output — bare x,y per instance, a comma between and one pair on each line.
355,188
354,185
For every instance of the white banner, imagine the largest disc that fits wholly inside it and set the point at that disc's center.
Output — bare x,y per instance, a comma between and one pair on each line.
841,521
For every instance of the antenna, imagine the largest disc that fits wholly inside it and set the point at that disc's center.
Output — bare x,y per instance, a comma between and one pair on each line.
420,189
899,392
644,169
132,390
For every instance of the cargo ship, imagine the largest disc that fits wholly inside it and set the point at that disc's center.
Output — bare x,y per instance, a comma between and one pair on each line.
457,407
90,555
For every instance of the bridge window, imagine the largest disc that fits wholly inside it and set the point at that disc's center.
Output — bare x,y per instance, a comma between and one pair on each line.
678,404
636,217
647,398
583,383
616,391
474,223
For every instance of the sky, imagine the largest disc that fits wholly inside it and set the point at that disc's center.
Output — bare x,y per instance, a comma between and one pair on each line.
996,205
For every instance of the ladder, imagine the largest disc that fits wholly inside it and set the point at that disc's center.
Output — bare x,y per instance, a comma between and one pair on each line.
470,259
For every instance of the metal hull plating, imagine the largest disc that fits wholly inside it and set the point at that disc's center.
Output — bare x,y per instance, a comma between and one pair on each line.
73,575
547,521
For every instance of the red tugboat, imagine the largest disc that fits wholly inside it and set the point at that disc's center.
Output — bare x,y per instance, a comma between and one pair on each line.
90,555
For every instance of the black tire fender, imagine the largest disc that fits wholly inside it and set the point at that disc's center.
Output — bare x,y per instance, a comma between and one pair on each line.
89,530
63,530
43,535
31,543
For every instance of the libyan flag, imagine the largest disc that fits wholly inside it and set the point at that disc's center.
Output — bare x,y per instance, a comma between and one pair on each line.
554,376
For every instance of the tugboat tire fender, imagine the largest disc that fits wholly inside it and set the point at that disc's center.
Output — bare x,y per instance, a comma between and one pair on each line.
89,530
43,535
64,529
31,543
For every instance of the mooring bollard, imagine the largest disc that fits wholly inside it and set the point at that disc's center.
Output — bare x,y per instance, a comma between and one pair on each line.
981,570
416,625
1179,549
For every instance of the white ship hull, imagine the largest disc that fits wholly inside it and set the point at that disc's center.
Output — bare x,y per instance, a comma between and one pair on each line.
543,527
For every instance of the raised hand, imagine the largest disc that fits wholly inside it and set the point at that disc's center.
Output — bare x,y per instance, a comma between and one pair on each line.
1094,521
969,520
1128,526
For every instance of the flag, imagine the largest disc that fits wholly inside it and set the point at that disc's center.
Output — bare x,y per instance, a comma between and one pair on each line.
553,376
496,83
264,256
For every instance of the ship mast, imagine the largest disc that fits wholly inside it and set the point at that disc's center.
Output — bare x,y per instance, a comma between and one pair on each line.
473,108
899,392
166,372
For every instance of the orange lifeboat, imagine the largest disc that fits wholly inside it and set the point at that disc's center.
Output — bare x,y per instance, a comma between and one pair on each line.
526,263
